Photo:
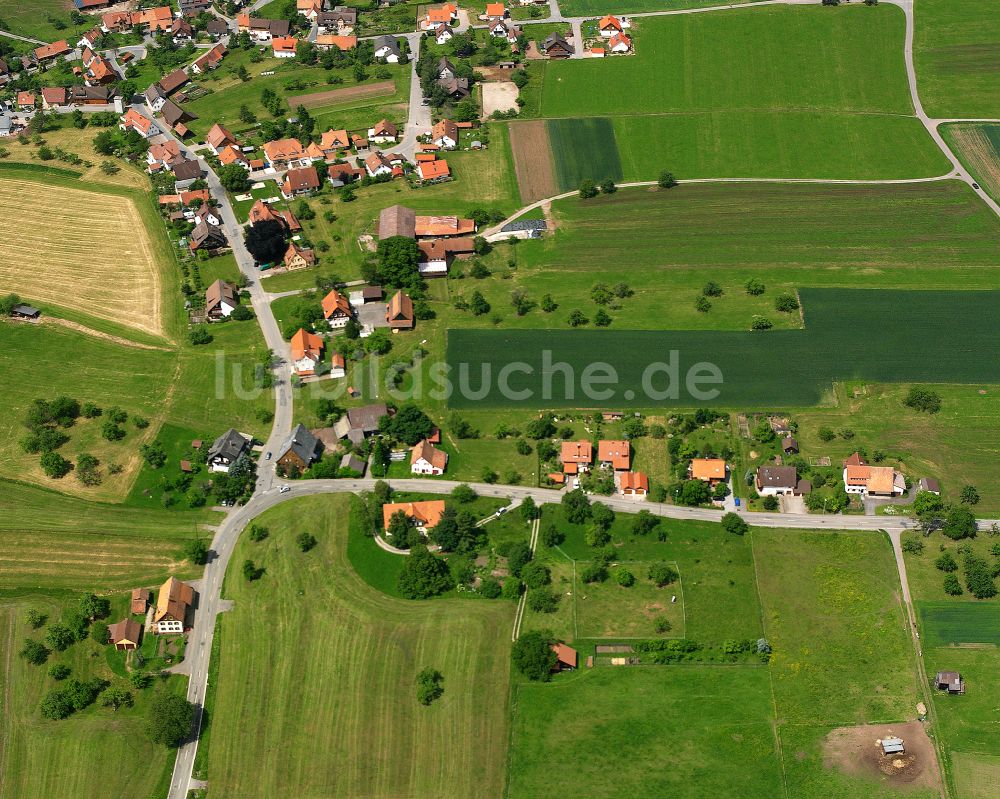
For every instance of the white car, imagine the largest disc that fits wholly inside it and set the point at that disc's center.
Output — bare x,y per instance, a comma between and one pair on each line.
284,490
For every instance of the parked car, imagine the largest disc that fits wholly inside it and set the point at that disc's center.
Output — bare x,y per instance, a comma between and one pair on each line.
284,490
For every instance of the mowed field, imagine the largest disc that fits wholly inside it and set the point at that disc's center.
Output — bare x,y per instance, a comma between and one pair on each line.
956,50
339,717
816,95
33,19
978,147
82,250
579,8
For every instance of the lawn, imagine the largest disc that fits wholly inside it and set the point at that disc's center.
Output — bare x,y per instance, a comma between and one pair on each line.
580,8
836,80
684,731
957,58
350,687
583,149
53,541
96,751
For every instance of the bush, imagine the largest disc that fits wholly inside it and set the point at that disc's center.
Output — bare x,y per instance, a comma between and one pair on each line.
552,536
543,600
735,524
35,652
305,541
490,588
946,562
662,574
758,322
786,303
666,180
662,625
59,671
771,503
624,577
923,400
913,543
535,574
952,586
754,287
594,573
429,686
712,289
55,465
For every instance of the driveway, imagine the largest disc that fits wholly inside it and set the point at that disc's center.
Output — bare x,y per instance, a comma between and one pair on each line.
371,315
793,505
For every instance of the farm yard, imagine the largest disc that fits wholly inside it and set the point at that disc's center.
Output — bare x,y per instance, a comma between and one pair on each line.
86,250
978,147
836,120
358,653
956,58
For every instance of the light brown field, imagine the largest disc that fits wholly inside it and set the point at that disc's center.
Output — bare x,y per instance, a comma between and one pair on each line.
980,156
499,96
80,250
529,142
342,95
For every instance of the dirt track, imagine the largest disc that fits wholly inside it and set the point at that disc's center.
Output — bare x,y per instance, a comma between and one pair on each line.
335,96
529,142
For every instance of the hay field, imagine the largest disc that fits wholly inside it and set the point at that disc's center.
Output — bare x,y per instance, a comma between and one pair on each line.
80,250
979,148
536,177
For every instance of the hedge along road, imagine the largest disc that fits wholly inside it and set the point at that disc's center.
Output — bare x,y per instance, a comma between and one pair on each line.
848,334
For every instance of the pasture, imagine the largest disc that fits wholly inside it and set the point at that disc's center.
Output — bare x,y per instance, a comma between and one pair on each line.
685,731
96,242
51,541
978,147
954,623
350,687
96,751
957,58
35,19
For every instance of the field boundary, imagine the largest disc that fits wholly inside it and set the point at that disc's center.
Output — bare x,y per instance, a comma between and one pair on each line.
335,96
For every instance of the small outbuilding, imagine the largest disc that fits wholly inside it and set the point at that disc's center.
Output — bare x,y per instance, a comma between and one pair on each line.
790,446
566,657
25,312
892,746
125,634
950,681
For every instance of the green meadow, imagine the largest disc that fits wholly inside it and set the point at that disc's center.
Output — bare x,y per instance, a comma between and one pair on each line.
956,50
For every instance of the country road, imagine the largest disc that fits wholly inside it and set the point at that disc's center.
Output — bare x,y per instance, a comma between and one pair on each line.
268,494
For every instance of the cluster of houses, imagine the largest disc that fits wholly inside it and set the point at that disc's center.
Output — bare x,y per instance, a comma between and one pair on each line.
614,38
577,457
441,239
860,479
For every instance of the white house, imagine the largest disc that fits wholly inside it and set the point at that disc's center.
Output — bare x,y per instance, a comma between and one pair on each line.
226,450
338,365
445,134
427,459
875,481
777,480
384,132
387,48
443,34
620,43
377,164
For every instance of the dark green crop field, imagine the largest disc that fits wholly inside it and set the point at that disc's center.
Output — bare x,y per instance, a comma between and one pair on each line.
947,623
884,336
583,149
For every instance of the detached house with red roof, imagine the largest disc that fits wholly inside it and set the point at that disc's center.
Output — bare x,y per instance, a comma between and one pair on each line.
49,51
609,26
633,484
576,456
133,120
307,352
620,43
209,61
425,458
433,171
299,182
337,309
219,138
445,134
874,481
284,46
616,454
297,257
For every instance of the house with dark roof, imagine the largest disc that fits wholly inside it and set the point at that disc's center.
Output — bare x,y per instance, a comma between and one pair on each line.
387,48
778,480
300,182
455,88
397,220
950,681
140,601
446,70
186,171
221,299
125,634
226,450
300,450
556,46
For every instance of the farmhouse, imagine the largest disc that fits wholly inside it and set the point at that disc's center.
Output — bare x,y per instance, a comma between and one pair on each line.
49,51
300,450
708,470
307,351
399,312
436,255
125,634
297,257
423,515
950,681
226,450
299,182
342,19
221,299
428,459
328,41
633,484
172,604
387,48
337,309
175,116
555,46
566,657
616,454
877,481
140,600
360,422
455,88
775,480
209,238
